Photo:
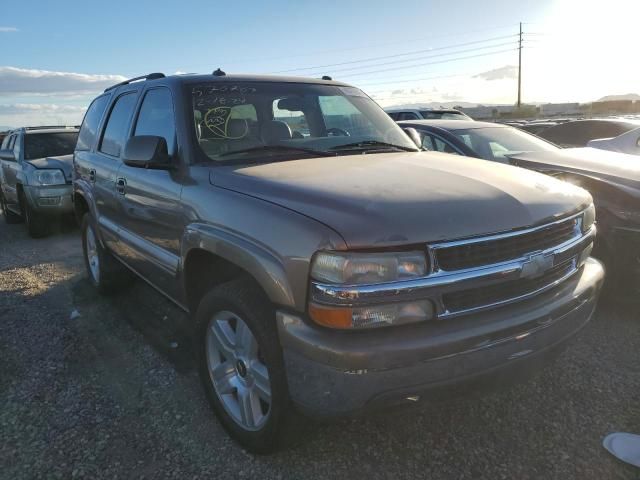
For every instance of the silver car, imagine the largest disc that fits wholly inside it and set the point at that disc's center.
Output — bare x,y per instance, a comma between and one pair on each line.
35,176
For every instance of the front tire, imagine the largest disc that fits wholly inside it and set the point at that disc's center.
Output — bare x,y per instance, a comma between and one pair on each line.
9,216
38,225
105,273
241,366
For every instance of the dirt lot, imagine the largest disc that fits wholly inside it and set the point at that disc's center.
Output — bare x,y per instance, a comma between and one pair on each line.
111,392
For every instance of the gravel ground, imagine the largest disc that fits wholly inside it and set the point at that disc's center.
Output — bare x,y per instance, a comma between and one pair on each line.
111,392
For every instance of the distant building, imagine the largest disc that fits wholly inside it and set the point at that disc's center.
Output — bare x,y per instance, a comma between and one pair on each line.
482,112
560,109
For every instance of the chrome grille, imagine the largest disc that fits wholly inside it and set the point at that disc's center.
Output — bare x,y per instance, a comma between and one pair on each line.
495,294
473,254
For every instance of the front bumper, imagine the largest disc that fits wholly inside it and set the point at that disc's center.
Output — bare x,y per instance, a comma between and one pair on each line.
51,200
335,373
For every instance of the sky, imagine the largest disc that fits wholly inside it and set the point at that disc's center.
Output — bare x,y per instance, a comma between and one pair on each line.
56,56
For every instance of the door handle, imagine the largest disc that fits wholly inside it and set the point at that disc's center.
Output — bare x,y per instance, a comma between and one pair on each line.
121,185
92,176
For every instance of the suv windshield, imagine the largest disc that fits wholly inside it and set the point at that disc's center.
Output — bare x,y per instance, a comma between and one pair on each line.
259,121
40,145
495,143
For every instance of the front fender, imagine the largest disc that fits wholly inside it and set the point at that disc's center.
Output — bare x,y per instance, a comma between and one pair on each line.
83,188
256,259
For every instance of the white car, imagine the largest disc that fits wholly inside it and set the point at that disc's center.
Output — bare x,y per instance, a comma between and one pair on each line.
628,142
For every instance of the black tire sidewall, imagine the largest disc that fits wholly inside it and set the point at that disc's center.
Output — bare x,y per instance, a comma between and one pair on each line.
248,302
86,224
37,225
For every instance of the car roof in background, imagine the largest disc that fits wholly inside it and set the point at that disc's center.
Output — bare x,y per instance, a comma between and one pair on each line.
435,110
452,124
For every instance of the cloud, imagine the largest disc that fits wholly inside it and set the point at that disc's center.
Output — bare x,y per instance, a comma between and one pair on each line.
8,29
44,82
508,71
39,108
21,114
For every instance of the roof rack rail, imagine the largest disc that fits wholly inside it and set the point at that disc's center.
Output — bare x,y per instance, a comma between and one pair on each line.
45,127
150,76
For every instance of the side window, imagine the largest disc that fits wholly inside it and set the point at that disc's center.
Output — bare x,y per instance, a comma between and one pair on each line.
340,113
442,146
393,115
296,119
407,116
156,117
427,142
437,145
116,129
89,129
12,142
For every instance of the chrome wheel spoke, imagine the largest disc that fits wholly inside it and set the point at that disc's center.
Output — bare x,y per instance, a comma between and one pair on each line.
261,381
246,344
249,407
222,339
223,375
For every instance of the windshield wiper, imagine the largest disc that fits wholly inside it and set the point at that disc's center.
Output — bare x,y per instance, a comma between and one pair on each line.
366,144
280,148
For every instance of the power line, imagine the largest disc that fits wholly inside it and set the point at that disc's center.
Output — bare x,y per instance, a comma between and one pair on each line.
414,80
445,54
429,63
363,47
415,52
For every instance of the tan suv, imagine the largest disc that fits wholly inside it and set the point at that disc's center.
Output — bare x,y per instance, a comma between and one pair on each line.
328,265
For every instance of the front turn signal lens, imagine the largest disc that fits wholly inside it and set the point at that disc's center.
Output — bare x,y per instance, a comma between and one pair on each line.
372,316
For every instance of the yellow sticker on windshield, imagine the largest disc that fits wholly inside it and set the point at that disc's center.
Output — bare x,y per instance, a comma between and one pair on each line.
217,120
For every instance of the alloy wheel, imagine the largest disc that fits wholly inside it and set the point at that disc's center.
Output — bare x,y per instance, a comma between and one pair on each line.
238,373
92,254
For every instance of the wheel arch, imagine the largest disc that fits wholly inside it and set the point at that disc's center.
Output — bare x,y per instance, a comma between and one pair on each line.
212,256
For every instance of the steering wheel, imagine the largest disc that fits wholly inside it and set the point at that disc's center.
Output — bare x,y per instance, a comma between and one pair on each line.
337,132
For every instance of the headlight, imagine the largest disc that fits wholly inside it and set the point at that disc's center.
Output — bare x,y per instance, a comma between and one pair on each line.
49,177
367,268
588,218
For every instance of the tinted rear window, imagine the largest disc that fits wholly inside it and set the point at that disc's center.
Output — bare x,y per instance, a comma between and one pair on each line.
89,129
40,145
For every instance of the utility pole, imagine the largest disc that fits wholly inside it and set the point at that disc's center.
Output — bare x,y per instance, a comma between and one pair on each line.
520,66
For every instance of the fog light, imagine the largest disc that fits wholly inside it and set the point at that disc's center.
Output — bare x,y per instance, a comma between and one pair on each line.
48,201
372,316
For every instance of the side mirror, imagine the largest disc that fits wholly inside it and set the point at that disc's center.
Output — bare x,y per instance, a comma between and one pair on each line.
413,134
147,151
7,154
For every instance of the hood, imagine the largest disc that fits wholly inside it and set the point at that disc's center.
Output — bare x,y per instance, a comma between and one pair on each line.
611,167
63,162
406,198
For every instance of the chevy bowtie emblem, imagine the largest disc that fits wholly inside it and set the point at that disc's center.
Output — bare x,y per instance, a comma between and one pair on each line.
537,265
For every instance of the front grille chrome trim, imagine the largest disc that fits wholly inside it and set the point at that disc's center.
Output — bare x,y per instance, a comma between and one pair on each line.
440,282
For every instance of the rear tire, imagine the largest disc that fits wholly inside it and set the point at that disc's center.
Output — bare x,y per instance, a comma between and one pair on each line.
38,225
105,273
9,216
250,395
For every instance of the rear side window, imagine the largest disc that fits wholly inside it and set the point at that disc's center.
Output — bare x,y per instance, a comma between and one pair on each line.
117,125
156,117
89,129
